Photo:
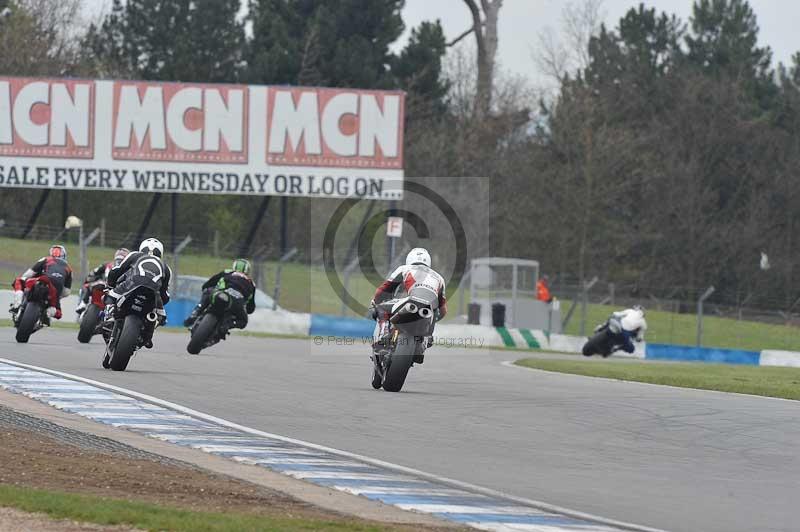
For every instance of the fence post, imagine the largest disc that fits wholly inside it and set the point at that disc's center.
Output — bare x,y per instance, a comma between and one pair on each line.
585,303
706,295
180,247
277,293
84,251
346,283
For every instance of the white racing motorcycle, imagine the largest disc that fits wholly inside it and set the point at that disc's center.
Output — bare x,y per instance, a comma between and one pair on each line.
411,324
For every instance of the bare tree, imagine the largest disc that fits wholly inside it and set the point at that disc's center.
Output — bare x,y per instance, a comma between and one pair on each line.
44,36
484,27
560,53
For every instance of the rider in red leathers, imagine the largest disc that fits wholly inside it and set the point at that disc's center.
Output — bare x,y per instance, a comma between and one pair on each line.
58,272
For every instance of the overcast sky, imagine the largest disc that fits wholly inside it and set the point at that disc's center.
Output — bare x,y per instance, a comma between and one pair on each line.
522,21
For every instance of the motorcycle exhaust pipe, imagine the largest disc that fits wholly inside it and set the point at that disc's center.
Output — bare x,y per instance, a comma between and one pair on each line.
152,316
425,312
411,307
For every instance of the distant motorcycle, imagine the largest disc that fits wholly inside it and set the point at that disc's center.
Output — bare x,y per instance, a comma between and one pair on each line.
606,339
91,316
133,309
412,321
32,313
215,322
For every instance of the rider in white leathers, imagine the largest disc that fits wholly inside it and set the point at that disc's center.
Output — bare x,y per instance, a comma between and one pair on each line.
633,326
414,276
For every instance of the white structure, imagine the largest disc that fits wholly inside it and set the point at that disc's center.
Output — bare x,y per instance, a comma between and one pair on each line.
511,282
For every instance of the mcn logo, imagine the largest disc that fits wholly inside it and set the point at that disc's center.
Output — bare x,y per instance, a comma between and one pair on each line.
46,119
177,122
114,122
328,127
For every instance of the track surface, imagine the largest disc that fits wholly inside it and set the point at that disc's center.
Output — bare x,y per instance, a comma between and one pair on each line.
681,460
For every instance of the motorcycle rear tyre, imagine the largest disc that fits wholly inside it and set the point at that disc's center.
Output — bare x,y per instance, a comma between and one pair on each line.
399,363
201,333
88,324
27,322
126,344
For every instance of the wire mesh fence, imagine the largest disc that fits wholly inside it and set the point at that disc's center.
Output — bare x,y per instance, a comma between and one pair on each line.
731,319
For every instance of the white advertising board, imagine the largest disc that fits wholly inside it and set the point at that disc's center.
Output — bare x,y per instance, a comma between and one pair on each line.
141,136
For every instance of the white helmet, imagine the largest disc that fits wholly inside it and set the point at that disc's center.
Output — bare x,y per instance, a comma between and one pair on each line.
418,256
152,246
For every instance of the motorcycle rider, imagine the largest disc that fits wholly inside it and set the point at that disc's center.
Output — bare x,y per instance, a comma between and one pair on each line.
414,276
235,281
55,267
98,274
633,325
121,277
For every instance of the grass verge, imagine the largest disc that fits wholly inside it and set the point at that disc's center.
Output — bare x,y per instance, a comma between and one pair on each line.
753,380
105,511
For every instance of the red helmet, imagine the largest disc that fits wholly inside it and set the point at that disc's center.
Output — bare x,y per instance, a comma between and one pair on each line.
58,252
120,255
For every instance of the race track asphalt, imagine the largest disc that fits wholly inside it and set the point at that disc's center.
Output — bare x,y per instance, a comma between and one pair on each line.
680,460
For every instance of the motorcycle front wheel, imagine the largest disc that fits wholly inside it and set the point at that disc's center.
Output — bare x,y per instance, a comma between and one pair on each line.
597,345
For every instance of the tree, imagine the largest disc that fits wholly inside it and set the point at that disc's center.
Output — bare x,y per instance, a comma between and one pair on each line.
338,43
418,70
724,42
39,37
176,40
484,28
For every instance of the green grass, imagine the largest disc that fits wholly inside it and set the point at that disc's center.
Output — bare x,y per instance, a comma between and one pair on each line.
303,288
754,380
105,511
307,289
673,328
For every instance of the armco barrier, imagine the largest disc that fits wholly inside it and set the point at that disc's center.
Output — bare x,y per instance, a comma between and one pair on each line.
300,324
322,325
701,354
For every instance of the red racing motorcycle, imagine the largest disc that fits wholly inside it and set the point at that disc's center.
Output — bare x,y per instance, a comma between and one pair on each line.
32,314
92,314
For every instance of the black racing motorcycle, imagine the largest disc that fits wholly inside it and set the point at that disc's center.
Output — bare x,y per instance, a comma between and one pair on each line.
124,331
412,321
607,338
215,322
32,313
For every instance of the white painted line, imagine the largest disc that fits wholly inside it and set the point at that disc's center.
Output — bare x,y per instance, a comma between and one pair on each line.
140,426
373,461
307,461
246,449
464,509
383,490
342,475
126,415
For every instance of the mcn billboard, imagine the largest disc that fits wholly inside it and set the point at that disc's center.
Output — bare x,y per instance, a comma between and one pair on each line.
200,138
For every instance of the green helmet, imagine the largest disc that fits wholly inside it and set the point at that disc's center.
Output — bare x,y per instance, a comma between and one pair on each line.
241,265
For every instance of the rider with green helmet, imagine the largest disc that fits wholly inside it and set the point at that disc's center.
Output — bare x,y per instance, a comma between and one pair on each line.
236,282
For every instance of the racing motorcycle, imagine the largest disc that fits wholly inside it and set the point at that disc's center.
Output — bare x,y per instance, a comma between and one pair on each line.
125,330
411,320
92,314
607,339
215,321
32,314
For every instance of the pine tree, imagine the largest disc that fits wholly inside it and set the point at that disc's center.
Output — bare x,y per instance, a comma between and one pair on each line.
177,40
418,68
339,43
